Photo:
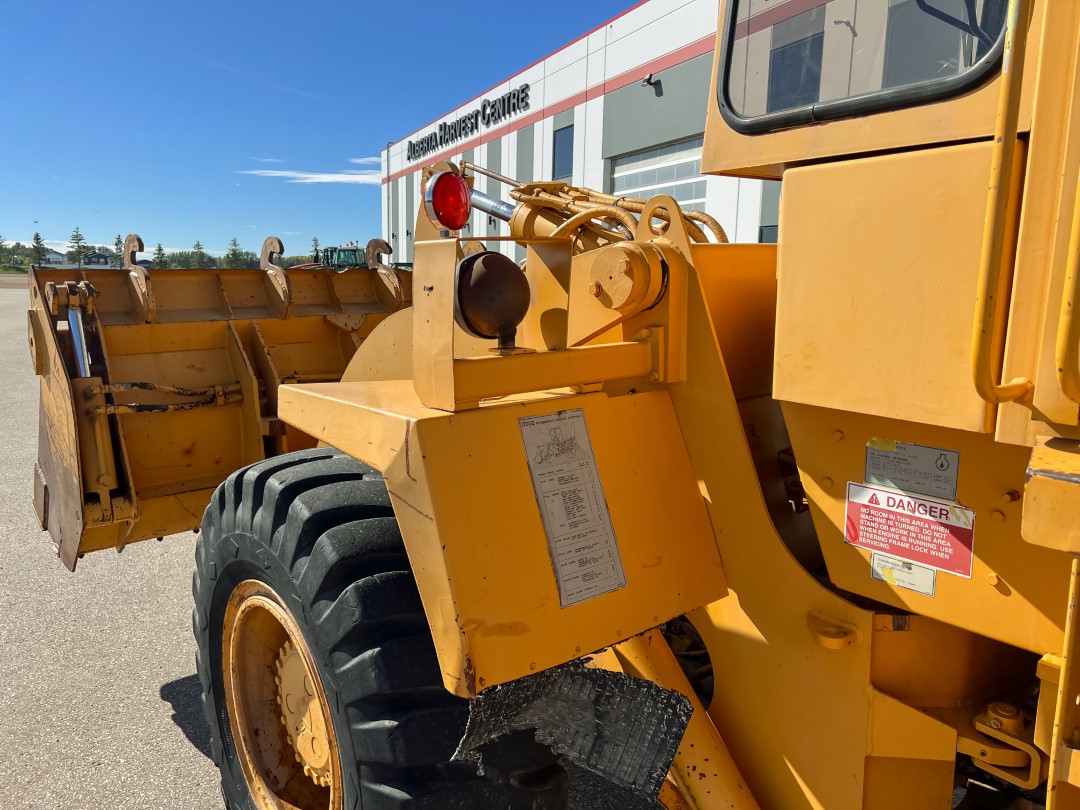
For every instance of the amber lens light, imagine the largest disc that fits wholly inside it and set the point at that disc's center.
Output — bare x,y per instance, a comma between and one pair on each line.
446,201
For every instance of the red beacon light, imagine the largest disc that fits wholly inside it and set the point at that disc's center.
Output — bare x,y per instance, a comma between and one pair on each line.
447,200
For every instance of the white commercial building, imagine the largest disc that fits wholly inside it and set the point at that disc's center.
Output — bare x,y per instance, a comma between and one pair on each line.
620,109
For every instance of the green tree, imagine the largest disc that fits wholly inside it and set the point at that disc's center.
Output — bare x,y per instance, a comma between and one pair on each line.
161,261
314,248
199,259
290,261
77,246
118,250
180,258
234,258
3,246
38,248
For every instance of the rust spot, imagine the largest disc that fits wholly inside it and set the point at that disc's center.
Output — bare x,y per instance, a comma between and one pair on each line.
470,675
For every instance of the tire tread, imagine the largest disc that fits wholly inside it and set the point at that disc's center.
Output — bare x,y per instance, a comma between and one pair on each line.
327,519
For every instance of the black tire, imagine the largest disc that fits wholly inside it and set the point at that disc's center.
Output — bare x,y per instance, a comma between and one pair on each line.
317,527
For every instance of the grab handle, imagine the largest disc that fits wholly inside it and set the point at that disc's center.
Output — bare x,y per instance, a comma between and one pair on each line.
987,342
1067,354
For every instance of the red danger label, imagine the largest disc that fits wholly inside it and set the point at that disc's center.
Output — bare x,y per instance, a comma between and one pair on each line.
920,530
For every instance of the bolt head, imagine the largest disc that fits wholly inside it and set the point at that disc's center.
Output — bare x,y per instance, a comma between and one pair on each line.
1004,709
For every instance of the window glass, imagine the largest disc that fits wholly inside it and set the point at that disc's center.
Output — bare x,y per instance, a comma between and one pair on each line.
563,155
673,169
790,54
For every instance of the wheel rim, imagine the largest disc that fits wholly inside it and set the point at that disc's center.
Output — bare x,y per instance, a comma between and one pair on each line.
278,712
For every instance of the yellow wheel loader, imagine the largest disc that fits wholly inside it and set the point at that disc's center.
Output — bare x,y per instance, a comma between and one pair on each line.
649,518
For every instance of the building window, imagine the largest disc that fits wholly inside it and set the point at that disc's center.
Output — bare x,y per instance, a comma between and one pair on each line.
767,234
674,170
795,61
563,155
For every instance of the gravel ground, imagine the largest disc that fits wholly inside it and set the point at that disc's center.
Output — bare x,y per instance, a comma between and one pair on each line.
97,678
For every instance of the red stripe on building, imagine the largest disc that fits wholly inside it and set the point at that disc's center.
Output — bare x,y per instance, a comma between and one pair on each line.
676,57
531,65
774,15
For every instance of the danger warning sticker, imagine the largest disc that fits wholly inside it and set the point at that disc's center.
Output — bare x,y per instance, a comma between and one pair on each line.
934,533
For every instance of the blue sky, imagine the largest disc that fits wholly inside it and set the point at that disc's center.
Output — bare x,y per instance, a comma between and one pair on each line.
151,116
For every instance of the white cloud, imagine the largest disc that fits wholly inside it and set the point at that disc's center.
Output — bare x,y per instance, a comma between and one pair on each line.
268,160
366,177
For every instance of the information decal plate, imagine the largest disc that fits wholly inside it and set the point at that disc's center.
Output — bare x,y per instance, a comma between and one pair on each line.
584,551
902,573
912,468
933,533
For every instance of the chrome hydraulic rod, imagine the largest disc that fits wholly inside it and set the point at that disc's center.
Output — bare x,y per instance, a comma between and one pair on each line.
500,209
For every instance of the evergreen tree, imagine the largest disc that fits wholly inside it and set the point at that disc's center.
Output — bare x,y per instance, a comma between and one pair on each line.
314,248
77,245
199,259
161,261
3,245
118,249
234,259
38,248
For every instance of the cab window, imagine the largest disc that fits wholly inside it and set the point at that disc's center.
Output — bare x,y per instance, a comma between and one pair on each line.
795,61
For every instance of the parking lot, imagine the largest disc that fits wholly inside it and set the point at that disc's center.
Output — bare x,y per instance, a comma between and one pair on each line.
99,696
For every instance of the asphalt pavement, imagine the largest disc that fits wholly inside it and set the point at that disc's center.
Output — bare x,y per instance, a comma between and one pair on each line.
98,694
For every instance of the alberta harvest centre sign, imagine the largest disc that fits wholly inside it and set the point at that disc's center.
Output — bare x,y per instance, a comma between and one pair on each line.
490,112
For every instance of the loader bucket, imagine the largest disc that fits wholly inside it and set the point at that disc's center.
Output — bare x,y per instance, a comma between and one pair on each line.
156,385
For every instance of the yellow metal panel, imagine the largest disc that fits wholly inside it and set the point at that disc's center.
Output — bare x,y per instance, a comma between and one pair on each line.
876,300
387,353
1052,495
480,377
158,517
1017,592
967,668
461,488
739,285
58,443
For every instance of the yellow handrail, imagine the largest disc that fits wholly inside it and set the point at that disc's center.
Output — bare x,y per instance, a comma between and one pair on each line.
988,334
1067,356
